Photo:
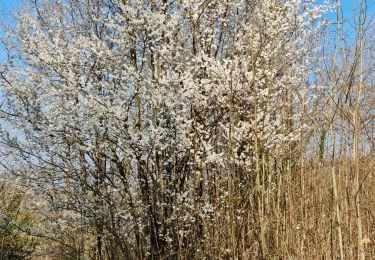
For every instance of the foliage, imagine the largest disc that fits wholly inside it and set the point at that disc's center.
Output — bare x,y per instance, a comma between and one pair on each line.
14,244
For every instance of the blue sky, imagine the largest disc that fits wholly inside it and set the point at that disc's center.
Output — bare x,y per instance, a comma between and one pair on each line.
6,8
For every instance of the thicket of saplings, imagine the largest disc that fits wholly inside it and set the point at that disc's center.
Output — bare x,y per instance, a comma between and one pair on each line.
187,130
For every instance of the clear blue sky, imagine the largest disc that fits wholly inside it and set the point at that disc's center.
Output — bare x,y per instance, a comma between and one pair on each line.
6,8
